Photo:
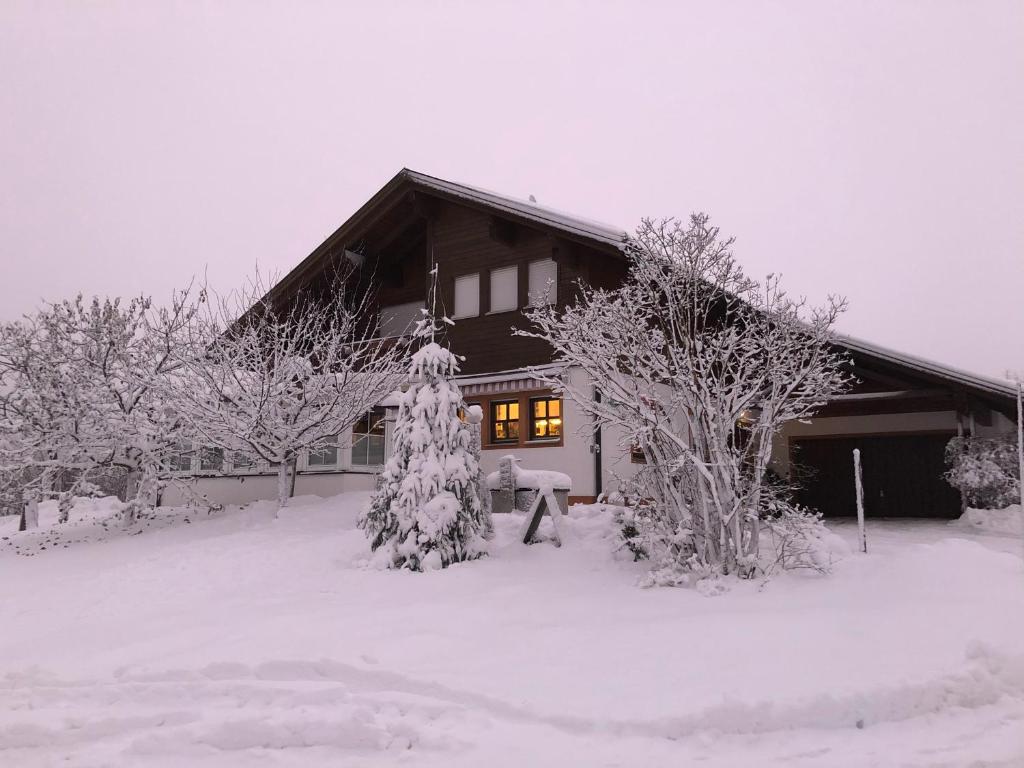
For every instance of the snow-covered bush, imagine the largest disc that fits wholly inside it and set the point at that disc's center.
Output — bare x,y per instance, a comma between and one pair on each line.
428,512
984,470
699,367
792,537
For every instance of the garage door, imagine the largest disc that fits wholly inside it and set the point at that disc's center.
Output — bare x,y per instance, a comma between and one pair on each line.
902,476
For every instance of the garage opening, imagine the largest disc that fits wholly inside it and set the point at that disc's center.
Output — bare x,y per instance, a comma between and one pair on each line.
902,475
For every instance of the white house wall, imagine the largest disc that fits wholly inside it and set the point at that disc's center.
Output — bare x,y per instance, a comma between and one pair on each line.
227,489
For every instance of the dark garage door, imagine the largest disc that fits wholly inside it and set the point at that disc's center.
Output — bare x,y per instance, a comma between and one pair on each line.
902,475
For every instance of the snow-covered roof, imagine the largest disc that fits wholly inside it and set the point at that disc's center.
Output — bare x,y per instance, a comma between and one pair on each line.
998,387
570,223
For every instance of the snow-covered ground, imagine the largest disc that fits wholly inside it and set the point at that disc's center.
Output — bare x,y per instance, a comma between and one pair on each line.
236,639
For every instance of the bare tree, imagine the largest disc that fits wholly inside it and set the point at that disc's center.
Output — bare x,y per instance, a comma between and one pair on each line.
272,381
699,367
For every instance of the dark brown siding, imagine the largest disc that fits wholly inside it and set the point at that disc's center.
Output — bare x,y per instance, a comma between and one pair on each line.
464,242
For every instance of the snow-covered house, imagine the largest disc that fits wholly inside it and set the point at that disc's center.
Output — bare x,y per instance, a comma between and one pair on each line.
495,256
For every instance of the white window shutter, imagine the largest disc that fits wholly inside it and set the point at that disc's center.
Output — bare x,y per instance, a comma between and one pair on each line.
504,289
467,296
543,287
399,319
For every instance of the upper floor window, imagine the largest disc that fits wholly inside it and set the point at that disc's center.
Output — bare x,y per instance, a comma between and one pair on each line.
467,296
368,436
545,418
543,288
505,422
504,289
325,454
399,319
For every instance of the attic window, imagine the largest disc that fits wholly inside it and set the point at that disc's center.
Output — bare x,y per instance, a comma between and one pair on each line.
543,288
399,319
504,289
467,296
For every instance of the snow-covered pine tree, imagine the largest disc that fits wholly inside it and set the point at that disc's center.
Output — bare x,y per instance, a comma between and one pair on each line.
428,512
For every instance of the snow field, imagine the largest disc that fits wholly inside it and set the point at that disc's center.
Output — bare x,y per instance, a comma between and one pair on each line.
240,640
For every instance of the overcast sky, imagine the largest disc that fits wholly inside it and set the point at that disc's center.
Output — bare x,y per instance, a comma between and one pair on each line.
874,150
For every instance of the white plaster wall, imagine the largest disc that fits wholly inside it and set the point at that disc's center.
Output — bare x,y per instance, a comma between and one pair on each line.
573,457
248,488
931,421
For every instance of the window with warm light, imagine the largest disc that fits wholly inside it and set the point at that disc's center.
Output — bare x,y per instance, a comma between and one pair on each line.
545,418
505,422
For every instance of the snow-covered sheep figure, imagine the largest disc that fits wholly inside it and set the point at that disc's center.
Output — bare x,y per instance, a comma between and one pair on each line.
428,512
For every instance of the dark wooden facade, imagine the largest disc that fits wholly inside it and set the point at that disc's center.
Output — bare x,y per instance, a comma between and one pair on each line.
417,229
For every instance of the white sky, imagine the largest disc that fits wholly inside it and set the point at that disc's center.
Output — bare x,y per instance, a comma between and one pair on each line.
870,149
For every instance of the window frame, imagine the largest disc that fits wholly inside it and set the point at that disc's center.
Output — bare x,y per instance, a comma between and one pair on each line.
252,468
552,287
514,269
331,442
201,454
456,315
383,317
493,420
485,401
371,425
533,418
187,450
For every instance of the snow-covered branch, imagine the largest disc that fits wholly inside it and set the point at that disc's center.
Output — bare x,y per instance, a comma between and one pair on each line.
699,367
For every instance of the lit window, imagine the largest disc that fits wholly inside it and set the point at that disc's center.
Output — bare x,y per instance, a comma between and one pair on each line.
504,289
211,460
368,439
543,288
325,454
505,422
545,418
467,296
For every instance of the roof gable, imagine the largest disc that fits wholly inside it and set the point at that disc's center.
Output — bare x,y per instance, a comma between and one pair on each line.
408,183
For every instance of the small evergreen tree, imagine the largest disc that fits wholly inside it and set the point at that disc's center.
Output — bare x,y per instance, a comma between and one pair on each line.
428,512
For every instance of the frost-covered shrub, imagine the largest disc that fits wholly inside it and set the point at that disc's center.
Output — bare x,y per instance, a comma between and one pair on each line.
428,512
699,367
792,537
798,539
984,470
